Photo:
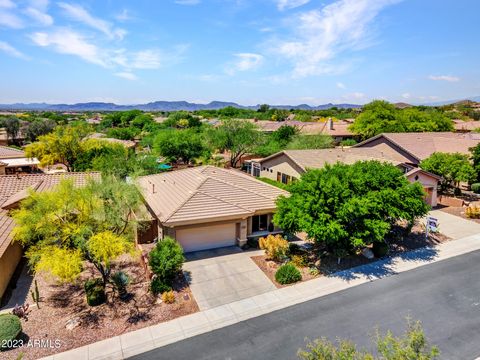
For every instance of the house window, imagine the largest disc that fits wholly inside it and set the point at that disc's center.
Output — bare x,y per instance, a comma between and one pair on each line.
279,176
286,179
259,223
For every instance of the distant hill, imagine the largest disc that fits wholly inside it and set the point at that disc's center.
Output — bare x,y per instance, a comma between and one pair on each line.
157,106
456,102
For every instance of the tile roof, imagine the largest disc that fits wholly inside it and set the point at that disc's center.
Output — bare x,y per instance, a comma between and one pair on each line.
461,125
422,145
316,159
206,193
9,152
14,188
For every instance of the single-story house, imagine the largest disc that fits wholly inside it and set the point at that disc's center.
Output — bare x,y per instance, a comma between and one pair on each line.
13,161
129,144
289,165
208,207
415,147
14,189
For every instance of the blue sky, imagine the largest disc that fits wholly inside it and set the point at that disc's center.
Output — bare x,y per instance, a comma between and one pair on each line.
248,51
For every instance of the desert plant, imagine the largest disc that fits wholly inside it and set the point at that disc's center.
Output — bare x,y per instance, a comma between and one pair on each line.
287,274
473,212
166,260
120,282
35,295
95,292
299,260
168,297
275,246
380,249
10,328
158,287
475,188
314,271
21,311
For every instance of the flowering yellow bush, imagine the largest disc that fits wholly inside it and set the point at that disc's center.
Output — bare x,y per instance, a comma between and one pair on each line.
276,247
168,297
473,212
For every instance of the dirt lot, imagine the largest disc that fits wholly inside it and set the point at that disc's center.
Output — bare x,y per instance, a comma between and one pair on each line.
326,263
61,303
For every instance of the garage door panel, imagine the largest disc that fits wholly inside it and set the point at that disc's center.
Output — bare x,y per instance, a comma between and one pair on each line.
206,237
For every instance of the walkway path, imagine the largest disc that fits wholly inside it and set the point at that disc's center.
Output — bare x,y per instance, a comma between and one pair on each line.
146,339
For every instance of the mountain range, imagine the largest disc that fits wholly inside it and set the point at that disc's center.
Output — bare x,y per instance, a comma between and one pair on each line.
178,105
158,106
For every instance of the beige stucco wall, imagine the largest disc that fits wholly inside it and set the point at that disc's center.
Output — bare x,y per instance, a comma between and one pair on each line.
8,264
427,182
281,163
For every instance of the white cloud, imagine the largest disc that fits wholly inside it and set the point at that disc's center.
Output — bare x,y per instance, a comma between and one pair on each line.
244,62
10,20
187,2
126,75
320,35
10,50
78,13
39,16
341,85
146,59
66,41
406,95
7,4
448,78
290,4
123,16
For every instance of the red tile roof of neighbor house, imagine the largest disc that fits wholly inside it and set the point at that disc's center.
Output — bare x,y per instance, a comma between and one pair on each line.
14,188
206,193
461,125
422,145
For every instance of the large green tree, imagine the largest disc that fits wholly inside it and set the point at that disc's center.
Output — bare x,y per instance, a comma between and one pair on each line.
380,117
238,137
347,207
180,145
67,226
452,167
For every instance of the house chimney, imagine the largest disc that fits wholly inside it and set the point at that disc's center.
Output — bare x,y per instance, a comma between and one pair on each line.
330,123
153,188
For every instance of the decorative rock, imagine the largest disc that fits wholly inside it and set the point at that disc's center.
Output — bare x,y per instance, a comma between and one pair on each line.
318,263
271,264
368,253
72,323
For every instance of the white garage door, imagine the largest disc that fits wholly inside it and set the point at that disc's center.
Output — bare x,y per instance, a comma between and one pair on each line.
206,237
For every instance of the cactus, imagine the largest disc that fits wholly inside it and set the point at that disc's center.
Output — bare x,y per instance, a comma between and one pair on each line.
36,295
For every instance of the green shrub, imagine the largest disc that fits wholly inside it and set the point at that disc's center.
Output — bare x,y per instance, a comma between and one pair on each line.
287,274
476,188
10,328
348,142
294,249
120,282
380,249
158,287
95,292
166,260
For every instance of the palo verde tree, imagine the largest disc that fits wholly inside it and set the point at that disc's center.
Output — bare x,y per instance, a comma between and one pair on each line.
347,207
238,137
67,226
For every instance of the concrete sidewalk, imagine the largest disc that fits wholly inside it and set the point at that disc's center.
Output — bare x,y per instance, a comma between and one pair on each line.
146,339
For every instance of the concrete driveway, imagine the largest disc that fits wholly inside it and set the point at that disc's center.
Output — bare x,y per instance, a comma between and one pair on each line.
221,276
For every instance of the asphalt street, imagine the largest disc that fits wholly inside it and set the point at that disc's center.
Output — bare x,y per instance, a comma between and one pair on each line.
444,296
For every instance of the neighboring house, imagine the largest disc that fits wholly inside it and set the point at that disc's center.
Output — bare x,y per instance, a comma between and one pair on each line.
462,126
14,161
14,189
289,165
415,147
208,207
339,130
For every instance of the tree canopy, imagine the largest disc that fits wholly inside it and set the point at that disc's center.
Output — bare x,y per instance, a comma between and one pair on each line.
452,167
68,225
175,145
347,207
380,116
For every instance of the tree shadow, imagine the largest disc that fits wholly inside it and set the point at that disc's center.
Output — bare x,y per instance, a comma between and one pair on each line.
385,267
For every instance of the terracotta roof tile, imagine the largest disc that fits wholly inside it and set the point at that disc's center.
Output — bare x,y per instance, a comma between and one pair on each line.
206,193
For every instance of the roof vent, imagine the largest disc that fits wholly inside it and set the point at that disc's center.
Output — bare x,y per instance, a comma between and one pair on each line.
153,188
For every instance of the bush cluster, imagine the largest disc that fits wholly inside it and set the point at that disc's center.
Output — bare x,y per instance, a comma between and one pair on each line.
276,247
168,297
476,188
10,328
166,261
473,212
287,274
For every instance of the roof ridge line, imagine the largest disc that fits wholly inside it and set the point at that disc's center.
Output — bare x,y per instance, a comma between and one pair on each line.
184,202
